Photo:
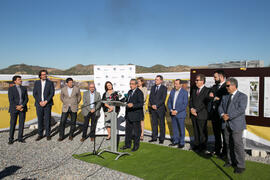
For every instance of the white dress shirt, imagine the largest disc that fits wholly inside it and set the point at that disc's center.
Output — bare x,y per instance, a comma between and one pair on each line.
92,100
175,97
69,91
43,83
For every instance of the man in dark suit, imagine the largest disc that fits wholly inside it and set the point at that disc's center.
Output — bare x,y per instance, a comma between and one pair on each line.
199,99
157,108
91,109
232,111
18,99
43,93
134,115
216,94
177,105
70,97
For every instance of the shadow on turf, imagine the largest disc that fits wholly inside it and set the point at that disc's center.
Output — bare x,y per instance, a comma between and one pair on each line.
209,156
8,171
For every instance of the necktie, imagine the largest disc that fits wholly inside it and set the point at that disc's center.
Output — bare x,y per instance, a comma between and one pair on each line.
198,91
229,102
156,89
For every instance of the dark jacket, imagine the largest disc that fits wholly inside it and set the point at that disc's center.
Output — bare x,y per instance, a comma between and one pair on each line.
136,112
14,99
213,105
200,102
158,98
48,92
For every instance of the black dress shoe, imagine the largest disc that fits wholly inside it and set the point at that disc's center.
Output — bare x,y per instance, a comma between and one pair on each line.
49,138
10,142
161,142
181,146
152,140
39,138
227,164
134,149
21,141
60,139
173,144
70,138
239,170
124,147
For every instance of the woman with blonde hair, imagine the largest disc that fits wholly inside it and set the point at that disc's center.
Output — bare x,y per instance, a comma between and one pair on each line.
141,86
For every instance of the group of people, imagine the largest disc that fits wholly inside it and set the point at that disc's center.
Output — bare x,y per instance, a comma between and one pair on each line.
222,103
225,106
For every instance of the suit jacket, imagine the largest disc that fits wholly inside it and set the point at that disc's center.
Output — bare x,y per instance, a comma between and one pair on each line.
236,111
86,101
218,92
200,102
180,104
158,98
73,100
48,92
136,112
14,99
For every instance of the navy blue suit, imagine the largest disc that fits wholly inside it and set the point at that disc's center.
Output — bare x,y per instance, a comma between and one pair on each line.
44,113
178,121
158,97
134,115
14,100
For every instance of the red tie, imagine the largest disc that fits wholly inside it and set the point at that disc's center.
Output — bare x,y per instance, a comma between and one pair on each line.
198,91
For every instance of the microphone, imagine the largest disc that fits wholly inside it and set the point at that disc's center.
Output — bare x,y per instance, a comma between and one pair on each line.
125,98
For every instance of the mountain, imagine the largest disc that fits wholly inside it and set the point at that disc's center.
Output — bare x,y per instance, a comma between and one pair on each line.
80,69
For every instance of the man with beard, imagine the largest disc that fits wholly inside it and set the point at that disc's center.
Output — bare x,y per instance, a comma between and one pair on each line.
217,91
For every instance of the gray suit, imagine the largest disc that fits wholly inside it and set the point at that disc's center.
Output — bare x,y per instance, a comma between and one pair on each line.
86,111
233,128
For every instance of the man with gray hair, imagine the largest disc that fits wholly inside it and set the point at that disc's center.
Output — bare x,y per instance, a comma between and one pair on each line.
91,109
134,115
232,111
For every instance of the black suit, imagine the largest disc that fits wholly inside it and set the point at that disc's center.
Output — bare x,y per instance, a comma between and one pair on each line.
14,100
158,97
214,116
134,115
44,113
200,102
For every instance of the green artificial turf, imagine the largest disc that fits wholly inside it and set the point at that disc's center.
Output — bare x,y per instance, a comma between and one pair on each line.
159,162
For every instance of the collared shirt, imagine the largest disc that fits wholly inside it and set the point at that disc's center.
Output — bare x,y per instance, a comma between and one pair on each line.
43,83
200,88
131,93
175,97
233,94
69,91
220,84
92,100
20,93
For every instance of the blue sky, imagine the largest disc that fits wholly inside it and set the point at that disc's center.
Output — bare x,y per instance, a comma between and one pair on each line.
63,33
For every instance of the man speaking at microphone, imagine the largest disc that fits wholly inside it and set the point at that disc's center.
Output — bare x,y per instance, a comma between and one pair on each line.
134,115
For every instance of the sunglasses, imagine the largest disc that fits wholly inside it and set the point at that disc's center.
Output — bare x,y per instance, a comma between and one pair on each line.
228,85
197,80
